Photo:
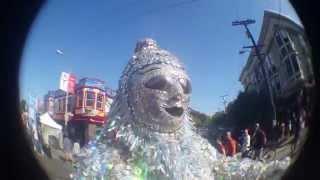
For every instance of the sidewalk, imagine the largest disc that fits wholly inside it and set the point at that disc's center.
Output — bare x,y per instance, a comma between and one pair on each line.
284,149
55,166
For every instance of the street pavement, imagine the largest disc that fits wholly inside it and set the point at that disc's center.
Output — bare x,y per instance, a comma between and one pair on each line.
56,168
285,149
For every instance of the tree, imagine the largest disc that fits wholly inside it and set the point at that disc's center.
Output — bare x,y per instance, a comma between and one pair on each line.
250,108
199,119
246,110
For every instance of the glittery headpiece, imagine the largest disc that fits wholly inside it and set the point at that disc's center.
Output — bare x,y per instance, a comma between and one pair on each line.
148,53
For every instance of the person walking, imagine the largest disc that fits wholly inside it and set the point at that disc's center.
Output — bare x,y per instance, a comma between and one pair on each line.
76,147
35,138
231,145
294,123
274,134
297,129
302,118
220,147
301,127
67,146
289,128
259,141
245,146
282,132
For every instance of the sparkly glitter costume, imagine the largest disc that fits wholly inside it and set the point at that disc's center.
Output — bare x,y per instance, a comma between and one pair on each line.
154,138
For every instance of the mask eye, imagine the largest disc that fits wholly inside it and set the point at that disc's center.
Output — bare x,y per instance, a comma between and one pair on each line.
186,85
157,82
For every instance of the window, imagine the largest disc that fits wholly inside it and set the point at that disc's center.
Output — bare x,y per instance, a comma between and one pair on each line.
287,52
284,43
288,67
273,87
56,106
80,99
90,98
303,43
257,76
63,102
290,48
61,105
275,84
278,87
267,66
284,52
100,101
279,40
70,103
292,65
285,37
295,63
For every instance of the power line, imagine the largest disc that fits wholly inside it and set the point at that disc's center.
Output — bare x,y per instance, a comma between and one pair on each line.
169,6
259,55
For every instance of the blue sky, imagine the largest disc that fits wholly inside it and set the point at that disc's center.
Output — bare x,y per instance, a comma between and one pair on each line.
98,38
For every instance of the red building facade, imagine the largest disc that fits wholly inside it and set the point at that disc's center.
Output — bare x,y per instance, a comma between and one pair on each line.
90,101
86,109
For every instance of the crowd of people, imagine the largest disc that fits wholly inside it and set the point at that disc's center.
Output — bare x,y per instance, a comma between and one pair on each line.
229,146
289,128
255,141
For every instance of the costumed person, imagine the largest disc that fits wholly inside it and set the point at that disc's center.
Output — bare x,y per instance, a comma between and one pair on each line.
152,125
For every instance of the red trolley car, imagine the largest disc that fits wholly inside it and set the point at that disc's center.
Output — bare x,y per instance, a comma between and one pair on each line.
90,101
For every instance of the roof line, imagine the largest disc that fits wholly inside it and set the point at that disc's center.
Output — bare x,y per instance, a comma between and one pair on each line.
268,15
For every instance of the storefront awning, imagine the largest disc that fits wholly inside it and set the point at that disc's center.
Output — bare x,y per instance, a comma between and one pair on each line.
47,120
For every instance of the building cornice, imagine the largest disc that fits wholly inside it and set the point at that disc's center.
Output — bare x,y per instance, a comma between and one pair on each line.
271,20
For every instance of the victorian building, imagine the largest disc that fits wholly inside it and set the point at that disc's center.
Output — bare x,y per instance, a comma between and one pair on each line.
287,60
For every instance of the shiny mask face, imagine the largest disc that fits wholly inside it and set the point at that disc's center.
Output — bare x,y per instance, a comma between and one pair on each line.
159,97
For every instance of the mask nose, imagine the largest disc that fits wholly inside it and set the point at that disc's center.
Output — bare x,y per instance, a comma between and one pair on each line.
177,95
176,98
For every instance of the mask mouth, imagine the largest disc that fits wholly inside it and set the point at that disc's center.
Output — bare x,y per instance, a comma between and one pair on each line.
175,111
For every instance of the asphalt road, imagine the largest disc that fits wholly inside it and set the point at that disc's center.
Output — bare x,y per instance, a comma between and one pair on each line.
57,169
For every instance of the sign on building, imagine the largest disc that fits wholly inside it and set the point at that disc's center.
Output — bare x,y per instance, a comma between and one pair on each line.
67,82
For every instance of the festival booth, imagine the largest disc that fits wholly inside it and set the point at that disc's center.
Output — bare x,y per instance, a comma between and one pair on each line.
50,130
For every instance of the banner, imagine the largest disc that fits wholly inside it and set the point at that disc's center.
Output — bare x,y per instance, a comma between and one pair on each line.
67,82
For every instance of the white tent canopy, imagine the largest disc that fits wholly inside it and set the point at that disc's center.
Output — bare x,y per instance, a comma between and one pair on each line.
47,120
50,129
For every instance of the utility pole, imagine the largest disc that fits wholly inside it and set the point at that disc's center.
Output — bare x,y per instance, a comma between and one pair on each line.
66,115
224,101
256,49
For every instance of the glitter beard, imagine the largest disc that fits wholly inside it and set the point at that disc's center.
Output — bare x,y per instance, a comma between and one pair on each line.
154,135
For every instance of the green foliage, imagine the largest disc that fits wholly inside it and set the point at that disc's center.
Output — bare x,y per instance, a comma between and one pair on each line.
247,109
199,119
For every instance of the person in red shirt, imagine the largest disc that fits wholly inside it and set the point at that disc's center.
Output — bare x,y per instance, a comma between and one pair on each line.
221,148
231,145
